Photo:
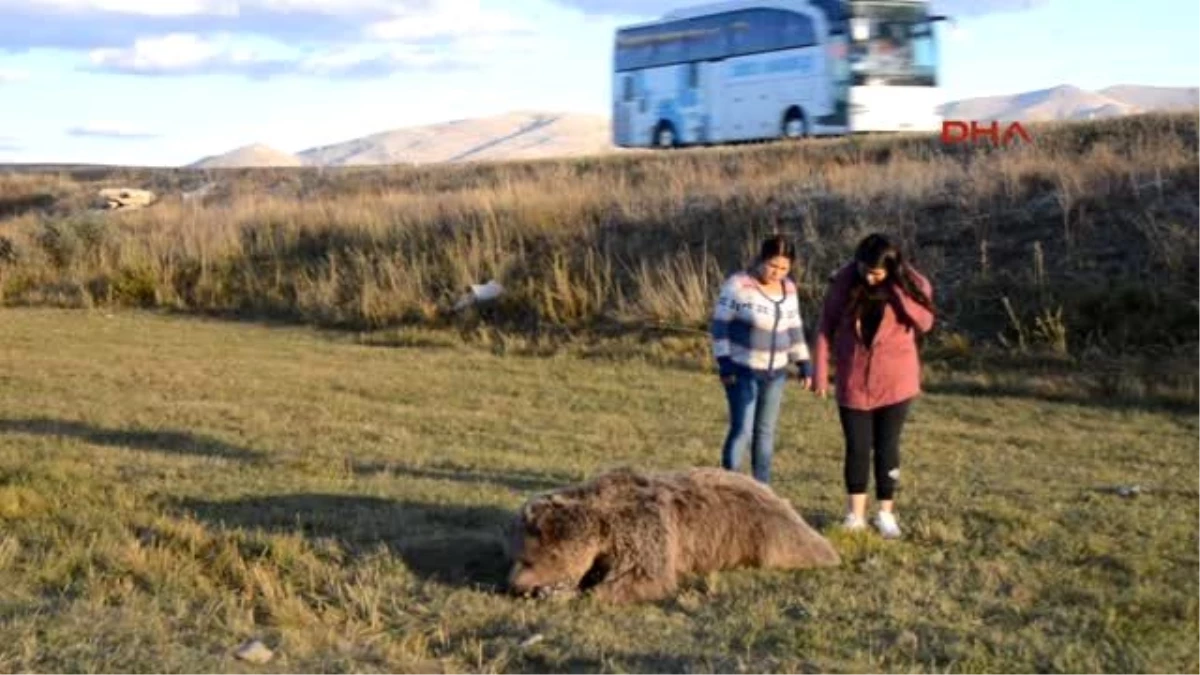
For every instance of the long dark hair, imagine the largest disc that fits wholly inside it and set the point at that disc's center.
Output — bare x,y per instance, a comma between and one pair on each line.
876,251
775,246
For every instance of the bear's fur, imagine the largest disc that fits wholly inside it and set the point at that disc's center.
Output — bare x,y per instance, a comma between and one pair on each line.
628,536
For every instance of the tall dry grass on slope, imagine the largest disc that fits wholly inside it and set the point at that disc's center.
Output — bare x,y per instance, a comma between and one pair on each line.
1084,240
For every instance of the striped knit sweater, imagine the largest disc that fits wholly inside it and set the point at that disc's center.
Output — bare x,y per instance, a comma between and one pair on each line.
754,332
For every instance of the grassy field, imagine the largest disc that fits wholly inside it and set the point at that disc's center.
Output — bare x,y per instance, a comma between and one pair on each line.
333,483
170,487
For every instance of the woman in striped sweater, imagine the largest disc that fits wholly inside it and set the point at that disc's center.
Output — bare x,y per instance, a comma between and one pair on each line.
757,335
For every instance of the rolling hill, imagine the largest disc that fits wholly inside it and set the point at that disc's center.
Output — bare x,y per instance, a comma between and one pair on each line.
1155,98
1058,103
517,135
254,155
532,134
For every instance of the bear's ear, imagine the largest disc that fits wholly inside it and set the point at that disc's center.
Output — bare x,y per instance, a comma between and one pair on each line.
528,511
535,513
555,517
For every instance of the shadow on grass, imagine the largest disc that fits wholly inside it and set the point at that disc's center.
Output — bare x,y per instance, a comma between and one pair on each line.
153,440
18,205
821,520
517,482
451,544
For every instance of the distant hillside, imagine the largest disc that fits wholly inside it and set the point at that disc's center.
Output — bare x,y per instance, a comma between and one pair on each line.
255,155
518,135
533,135
1058,103
1155,98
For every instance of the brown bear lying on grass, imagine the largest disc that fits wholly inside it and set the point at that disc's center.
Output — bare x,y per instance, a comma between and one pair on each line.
626,536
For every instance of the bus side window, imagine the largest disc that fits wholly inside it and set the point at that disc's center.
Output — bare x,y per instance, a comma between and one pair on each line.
627,88
798,31
739,37
709,42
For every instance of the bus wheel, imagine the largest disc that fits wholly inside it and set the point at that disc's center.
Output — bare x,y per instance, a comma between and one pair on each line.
794,125
664,135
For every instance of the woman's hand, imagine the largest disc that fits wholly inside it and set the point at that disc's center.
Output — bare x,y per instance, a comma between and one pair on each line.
818,390
805,372
725,371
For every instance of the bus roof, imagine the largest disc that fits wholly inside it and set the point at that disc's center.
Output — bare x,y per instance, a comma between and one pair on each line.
836,10
831,7
731,5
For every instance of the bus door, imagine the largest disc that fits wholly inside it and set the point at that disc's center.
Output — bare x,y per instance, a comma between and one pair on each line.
634,108
738,99
712,95
624,109
696,100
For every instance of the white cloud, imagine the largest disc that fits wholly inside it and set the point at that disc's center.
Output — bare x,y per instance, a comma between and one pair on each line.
110,129
630,8
11,76
174,52
652,8
981,7
335,61
442,35
107,24
187,54
144,7
231,8
340,6
444,18
326,38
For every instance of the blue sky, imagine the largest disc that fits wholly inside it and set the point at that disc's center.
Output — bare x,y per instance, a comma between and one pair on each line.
165,82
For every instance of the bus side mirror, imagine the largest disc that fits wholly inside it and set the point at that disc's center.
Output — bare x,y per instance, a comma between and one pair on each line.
954,31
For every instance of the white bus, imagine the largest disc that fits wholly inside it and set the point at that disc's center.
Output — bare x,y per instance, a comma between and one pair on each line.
750,70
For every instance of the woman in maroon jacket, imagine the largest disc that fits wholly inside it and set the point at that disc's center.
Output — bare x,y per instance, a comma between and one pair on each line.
874,310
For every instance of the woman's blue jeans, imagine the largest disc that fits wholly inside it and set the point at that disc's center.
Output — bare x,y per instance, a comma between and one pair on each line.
753,413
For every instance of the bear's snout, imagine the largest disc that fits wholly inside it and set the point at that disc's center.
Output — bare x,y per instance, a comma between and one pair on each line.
547,591
523,583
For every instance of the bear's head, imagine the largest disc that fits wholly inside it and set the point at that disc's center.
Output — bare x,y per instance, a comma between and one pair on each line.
555,542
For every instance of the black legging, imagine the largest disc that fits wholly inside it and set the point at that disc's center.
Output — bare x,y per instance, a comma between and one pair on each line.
878,430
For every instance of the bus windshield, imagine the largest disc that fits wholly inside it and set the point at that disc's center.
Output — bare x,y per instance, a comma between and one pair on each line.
892,44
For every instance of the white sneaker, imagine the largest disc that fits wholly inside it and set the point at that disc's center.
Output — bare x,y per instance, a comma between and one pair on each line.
885,522
853,523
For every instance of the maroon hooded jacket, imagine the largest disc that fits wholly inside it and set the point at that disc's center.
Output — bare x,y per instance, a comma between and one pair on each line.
887,372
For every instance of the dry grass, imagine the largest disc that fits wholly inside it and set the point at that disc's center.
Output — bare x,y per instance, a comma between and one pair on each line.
1076,253
171,487
1093,219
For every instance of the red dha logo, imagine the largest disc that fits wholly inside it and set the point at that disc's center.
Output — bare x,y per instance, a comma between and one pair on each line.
956,131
